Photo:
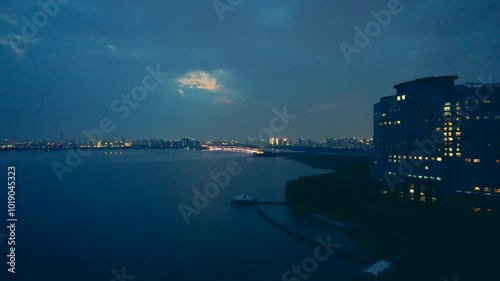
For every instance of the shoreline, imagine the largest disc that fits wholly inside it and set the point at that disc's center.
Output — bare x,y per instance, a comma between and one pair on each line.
325,161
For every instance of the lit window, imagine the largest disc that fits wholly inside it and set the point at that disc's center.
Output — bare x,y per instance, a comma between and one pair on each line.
403,97
458,133
459,154
427,167
439,159
399,98
497,190
447,104
477,160
486,101
477,188
487,189
467,160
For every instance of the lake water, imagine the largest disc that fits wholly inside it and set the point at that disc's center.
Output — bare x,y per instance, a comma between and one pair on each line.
120,210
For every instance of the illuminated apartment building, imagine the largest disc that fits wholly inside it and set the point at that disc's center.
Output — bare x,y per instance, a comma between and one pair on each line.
434,139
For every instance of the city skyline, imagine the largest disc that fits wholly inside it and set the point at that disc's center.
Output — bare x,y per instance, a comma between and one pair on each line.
59,139
226,75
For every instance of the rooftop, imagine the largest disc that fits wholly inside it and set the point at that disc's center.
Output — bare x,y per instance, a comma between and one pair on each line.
448,77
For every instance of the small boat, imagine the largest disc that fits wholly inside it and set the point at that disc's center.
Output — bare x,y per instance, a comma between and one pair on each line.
243,199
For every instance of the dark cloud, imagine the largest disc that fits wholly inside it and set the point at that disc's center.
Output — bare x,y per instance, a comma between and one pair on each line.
272,53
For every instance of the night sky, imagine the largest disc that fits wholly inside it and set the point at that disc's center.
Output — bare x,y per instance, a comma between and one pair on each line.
226,74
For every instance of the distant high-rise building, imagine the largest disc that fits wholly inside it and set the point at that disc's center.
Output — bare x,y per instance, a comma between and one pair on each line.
434,139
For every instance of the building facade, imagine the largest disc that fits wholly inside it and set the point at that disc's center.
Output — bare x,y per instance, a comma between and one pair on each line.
434,140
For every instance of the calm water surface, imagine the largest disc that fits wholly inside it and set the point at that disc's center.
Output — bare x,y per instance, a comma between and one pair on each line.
120,209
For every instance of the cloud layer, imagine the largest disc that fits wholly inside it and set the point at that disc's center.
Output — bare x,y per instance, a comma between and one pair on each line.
272,53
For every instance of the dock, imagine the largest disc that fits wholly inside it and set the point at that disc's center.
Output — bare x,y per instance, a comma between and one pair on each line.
338,251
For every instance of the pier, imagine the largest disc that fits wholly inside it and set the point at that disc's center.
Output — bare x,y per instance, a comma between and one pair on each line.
358,259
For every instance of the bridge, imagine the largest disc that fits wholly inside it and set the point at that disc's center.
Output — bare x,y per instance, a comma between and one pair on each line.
233,149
